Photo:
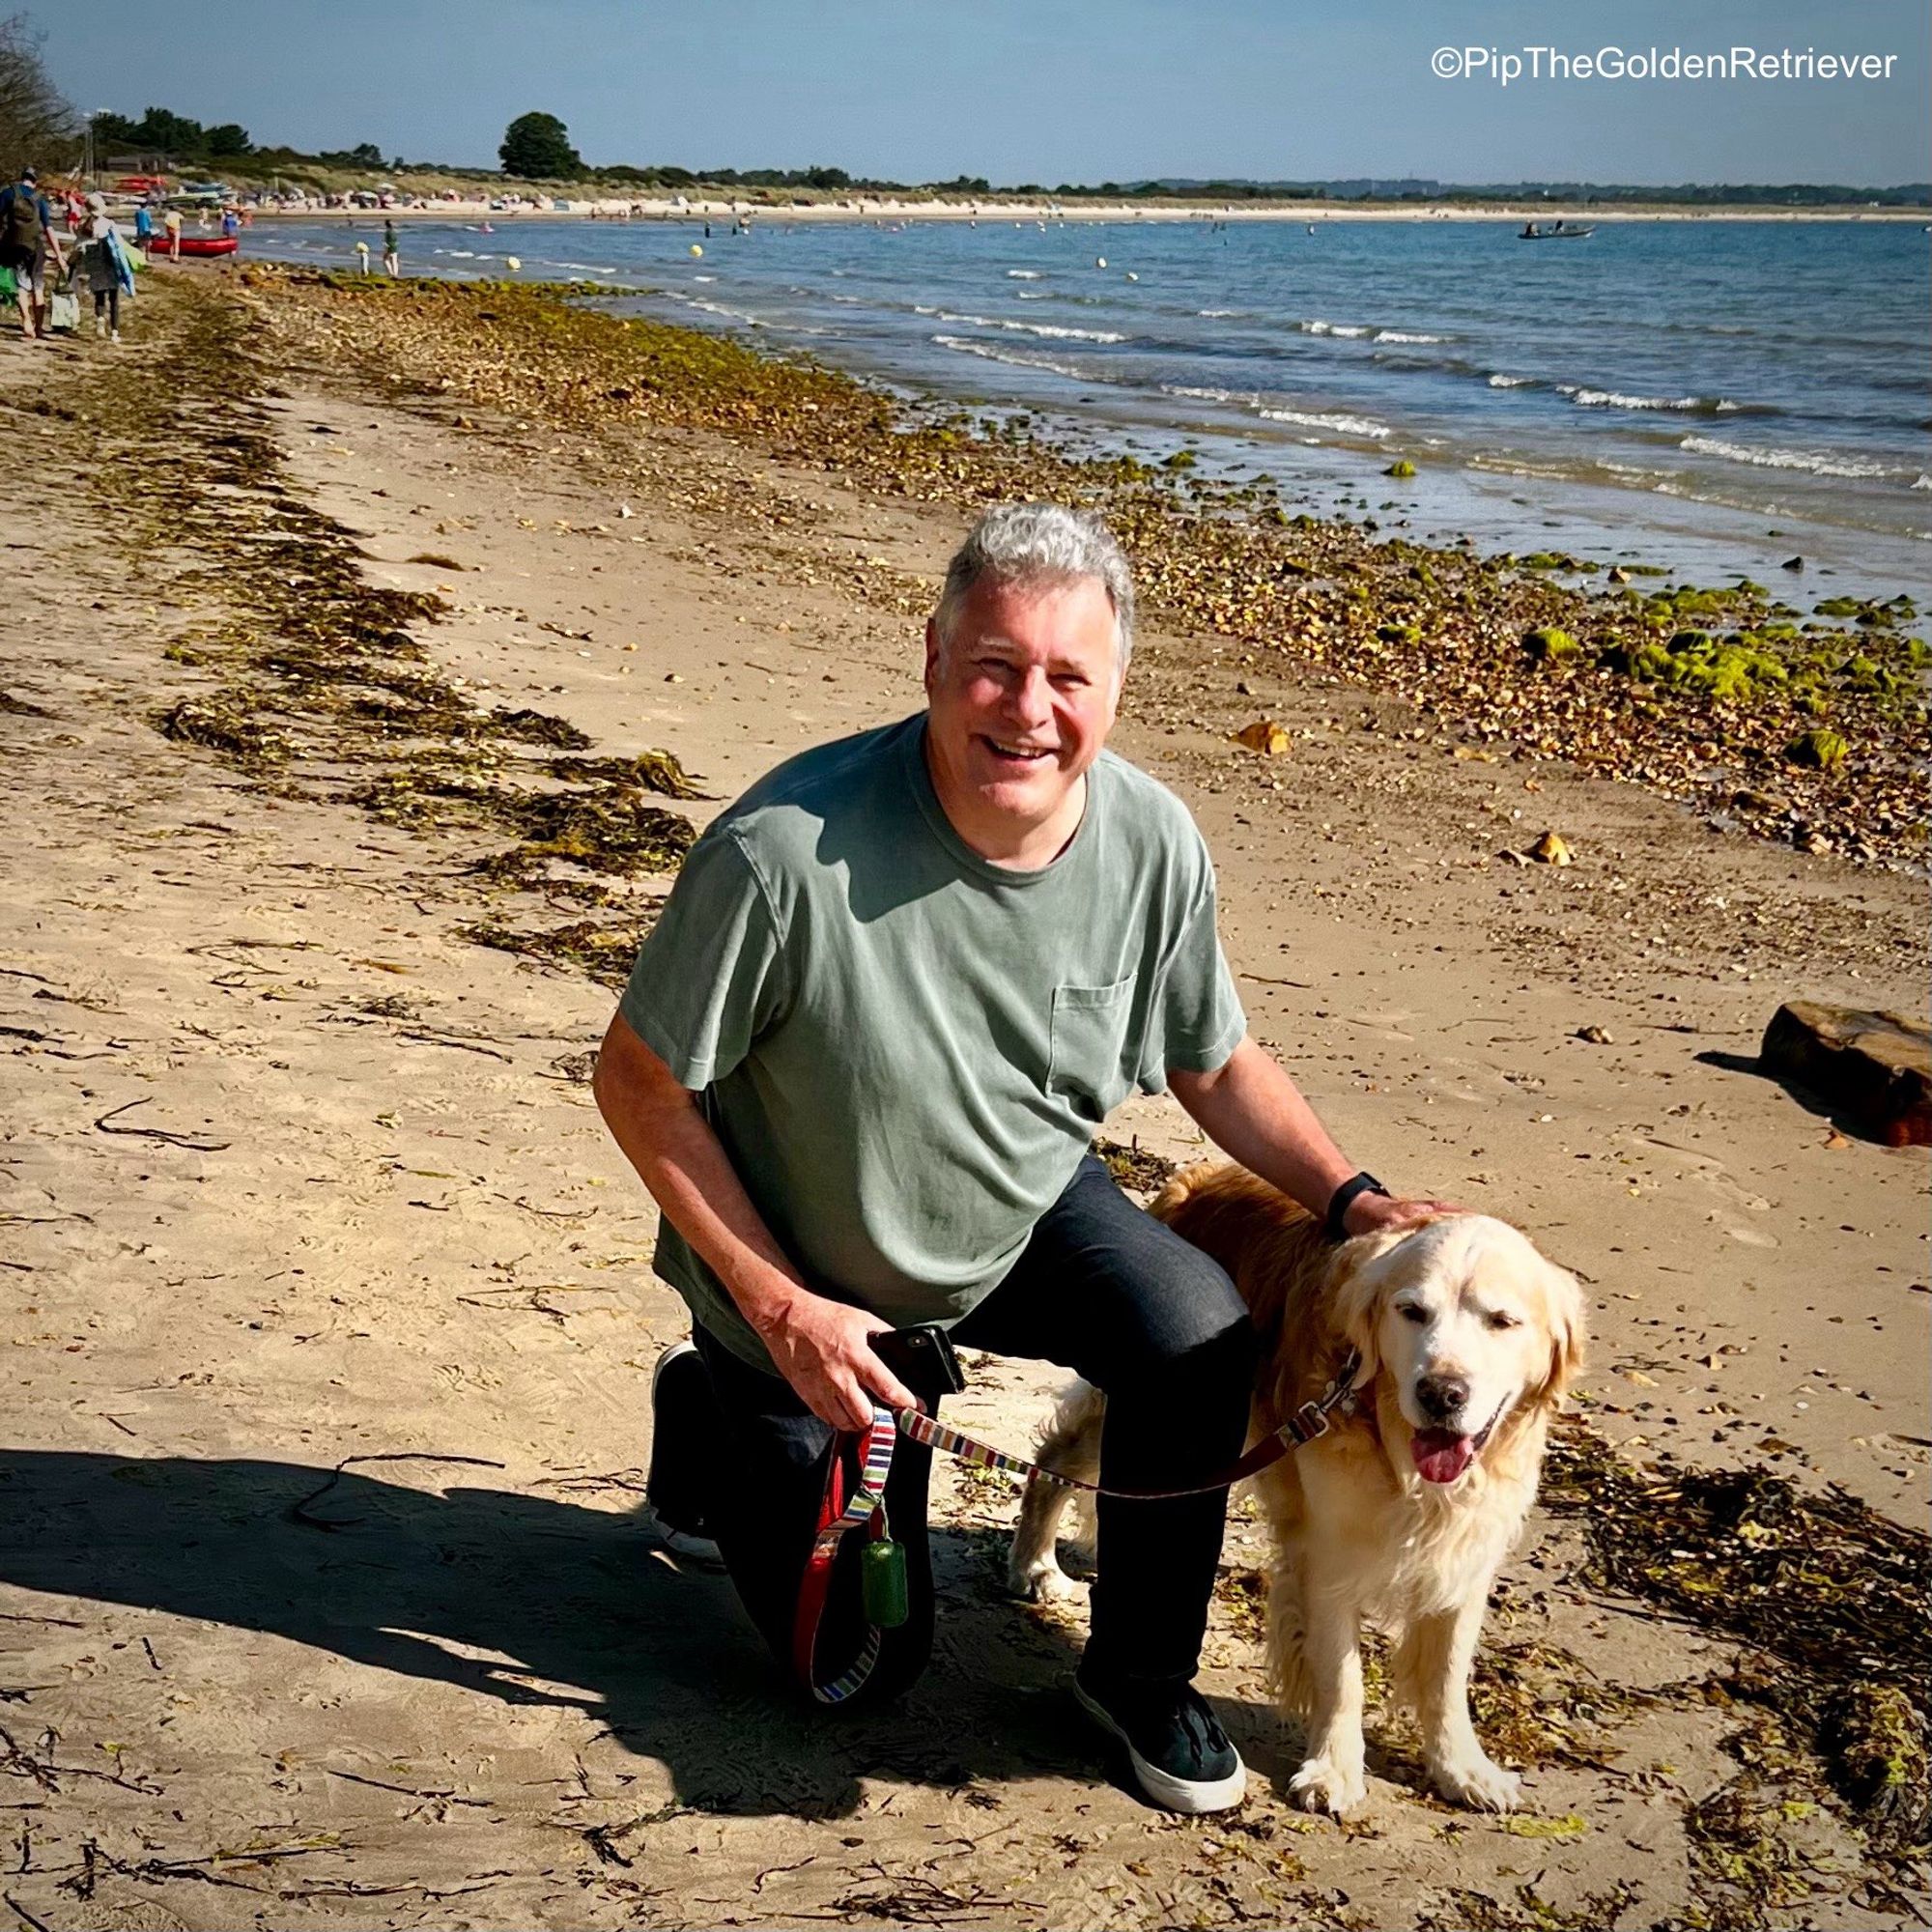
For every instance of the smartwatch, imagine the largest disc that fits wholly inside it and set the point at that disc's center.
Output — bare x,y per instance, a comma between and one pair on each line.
1339,1202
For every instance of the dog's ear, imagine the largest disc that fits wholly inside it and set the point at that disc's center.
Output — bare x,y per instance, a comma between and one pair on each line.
1563,1299
1356,1297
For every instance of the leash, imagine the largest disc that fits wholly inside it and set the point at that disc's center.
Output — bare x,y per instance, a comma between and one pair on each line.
882,1565
1307,1422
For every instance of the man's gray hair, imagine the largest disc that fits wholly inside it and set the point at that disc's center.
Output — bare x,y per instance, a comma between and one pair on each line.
1024,543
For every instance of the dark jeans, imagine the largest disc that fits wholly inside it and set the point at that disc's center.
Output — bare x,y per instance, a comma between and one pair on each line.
1101,1289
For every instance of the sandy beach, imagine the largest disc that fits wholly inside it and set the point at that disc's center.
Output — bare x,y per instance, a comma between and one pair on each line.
404,639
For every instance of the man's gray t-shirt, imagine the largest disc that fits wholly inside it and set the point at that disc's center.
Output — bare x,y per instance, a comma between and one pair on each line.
903,1048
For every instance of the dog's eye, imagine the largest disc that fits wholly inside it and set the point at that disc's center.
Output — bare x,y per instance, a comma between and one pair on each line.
1502,1318
1411,1311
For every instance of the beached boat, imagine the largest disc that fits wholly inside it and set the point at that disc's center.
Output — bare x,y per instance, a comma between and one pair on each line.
1558,231
194,244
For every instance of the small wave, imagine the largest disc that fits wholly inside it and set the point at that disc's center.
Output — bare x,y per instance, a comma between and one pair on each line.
464,254
704,278
1316,327
1218,313
1055,330
1921,483
716,308
1315,419
1498,381
1199,395
1404,335
1025,274
965,346
1615,399
1816,462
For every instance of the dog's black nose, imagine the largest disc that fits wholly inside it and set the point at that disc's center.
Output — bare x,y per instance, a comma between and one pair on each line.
1442,1396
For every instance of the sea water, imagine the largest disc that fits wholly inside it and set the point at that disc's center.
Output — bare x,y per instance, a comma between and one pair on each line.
1710,395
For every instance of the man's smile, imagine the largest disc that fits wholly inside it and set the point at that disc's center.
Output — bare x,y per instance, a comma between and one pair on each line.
1012,753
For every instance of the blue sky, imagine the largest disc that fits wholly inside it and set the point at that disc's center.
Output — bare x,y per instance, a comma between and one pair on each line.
1022,90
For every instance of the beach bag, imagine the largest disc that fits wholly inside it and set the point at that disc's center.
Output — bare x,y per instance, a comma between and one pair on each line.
9,284
64,312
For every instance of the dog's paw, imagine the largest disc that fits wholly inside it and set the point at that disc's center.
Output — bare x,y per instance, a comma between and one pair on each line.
1324,1785
1040,1582
1477,1782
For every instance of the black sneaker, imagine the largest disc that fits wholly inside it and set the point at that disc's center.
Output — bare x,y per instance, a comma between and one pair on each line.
1180,1755
683,1410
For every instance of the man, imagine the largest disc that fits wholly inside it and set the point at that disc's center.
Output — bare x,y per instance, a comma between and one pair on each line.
859,1064
392,252
27,239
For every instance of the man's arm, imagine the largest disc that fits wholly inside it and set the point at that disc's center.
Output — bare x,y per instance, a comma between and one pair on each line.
820,1346
1249,1108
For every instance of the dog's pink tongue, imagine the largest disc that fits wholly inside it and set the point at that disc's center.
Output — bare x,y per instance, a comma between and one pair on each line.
1442,1455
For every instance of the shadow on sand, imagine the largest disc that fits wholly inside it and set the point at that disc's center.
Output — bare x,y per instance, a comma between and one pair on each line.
582,1601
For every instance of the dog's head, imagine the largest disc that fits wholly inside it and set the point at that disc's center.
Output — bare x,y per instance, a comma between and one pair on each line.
1471,1326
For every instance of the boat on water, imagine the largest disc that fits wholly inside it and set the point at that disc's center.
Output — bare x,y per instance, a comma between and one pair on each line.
194,244
1556,231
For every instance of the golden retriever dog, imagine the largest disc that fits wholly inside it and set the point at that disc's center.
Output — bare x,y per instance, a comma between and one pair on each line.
1404,1512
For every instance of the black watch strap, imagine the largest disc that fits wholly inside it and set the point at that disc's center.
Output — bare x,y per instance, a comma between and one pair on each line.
1338,1202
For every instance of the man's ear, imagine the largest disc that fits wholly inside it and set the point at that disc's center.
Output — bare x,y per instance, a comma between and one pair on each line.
932,650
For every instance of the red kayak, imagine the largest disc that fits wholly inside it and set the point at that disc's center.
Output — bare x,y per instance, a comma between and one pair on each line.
195,244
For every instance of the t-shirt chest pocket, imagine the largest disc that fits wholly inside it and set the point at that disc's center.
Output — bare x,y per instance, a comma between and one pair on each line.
1088,1055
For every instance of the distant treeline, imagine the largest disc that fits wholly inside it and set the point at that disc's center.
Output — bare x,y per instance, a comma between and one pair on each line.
540,141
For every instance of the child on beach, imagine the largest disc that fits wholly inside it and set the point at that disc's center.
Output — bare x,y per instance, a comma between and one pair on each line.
101,264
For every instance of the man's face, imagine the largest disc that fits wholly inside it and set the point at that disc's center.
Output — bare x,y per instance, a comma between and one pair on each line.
1022,698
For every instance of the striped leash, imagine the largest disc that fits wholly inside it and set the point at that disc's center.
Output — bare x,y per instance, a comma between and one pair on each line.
883,1578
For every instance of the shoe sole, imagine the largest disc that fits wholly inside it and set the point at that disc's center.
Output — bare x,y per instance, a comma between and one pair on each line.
699,1549
1192,1796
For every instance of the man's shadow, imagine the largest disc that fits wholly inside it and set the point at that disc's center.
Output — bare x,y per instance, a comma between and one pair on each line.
584,1603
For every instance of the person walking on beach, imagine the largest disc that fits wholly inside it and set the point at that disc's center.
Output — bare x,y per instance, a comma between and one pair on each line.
392,255
171,221
101,265
859,1064
27,240
143,225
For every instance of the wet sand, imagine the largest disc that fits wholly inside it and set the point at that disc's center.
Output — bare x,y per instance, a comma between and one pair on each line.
302,1174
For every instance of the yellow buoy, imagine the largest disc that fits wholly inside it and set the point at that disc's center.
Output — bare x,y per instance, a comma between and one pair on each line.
511,263
695,249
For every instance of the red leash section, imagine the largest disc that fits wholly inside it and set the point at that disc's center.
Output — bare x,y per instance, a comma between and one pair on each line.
883,1562
883,1575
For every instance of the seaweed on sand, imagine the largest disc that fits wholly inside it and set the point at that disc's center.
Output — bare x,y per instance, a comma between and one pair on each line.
1830,1698
291,631
601,952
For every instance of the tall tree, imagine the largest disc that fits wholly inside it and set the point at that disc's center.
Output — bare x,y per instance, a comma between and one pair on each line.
229,138
537,148
37,125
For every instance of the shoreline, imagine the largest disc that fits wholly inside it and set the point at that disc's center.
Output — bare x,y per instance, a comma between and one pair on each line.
331,1396
659,208
1711,696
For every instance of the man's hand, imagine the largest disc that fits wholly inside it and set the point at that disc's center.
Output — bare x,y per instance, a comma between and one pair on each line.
1368,1212
823,1348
